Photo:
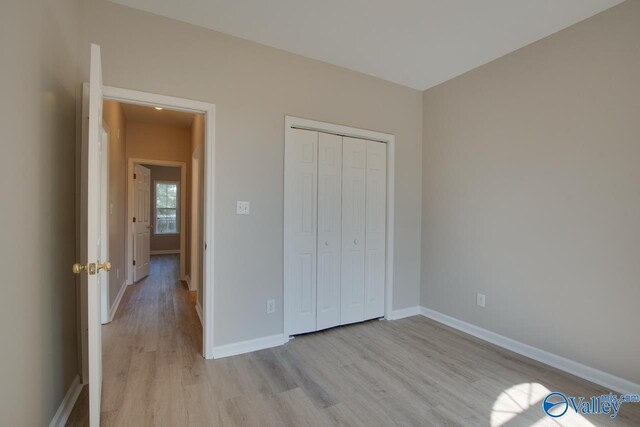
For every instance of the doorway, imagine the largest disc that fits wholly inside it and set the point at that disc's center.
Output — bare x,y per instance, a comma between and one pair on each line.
205,113
117,217
157,214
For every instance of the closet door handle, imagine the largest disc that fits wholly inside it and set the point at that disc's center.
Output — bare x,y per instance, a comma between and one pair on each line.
355,241
326,243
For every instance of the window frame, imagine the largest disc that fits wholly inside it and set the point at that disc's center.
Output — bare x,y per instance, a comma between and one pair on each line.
155,207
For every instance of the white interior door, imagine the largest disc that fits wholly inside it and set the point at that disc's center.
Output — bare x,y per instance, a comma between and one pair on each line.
353,229
375,238
300,233
92,214
329,230
141,222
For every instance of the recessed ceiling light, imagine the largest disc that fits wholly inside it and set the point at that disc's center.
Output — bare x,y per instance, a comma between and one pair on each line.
158,108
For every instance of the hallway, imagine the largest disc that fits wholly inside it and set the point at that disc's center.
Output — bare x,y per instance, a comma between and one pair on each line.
152,349
152,353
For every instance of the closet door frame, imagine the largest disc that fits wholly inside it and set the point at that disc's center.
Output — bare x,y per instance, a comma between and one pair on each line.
292,123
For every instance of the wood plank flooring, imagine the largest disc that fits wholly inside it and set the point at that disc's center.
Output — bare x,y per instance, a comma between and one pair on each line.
409,372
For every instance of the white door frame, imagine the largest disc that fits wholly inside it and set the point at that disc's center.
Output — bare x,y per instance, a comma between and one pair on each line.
208,109
131,164
291,122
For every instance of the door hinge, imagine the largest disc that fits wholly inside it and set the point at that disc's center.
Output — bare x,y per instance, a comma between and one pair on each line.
134,219
134,262
134,176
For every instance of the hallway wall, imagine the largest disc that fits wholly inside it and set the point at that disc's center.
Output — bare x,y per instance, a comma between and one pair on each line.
155,141
197,141
40,85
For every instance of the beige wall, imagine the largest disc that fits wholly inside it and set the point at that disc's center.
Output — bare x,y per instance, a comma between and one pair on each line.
39,87
165,242
115,120
254,87
531,194
529,181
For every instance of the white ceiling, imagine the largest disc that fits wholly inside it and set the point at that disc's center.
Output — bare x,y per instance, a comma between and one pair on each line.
417,43
140,113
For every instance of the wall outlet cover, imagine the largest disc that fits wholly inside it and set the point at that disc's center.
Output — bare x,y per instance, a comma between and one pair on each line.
271,306
480,300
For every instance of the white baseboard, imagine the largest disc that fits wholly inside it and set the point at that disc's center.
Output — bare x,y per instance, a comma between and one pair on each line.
114,308
199,311
165,252
187,279
404,312
588,373
249,346
64,410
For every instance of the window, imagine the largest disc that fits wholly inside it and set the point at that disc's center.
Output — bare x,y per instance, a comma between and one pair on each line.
166,207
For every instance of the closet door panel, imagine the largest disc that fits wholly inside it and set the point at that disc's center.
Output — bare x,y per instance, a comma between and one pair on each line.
300,233
329,230
376,205
353,229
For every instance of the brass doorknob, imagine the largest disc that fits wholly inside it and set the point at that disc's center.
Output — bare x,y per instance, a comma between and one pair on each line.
78,268
106,266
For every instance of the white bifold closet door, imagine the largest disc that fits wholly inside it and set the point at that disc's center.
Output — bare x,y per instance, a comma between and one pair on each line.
334,230
300,232
329,230
354,174
364,204
375,231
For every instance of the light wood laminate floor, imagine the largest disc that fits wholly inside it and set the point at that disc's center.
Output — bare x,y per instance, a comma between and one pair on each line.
409,372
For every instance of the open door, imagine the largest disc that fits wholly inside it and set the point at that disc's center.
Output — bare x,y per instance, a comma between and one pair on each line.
141,222
92,269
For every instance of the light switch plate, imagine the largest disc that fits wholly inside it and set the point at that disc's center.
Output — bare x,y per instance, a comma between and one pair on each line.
242,208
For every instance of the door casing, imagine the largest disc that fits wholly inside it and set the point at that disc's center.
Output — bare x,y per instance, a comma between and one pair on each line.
131,163
209,111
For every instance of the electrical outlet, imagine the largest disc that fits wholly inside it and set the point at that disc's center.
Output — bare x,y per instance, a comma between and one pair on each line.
242,208
271,306
480,300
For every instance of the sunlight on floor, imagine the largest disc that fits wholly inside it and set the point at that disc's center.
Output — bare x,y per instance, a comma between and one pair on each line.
525,400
